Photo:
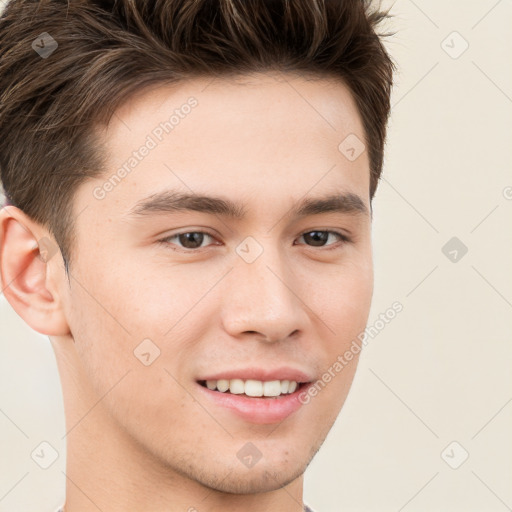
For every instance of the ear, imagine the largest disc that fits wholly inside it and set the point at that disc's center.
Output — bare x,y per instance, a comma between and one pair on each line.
26,252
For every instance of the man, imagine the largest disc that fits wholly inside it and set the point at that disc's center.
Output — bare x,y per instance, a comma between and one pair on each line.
189,192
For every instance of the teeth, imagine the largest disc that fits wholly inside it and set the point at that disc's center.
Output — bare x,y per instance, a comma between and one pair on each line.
272,388
222,385
252,387
236,386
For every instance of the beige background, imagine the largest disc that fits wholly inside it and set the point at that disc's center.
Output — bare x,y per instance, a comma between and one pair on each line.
440,371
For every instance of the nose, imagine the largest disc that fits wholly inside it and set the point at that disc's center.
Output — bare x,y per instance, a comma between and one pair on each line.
262,299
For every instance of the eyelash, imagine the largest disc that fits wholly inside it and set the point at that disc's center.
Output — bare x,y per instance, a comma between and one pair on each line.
344,238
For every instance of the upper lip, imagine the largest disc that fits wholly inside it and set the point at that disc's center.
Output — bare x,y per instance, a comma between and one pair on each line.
263,374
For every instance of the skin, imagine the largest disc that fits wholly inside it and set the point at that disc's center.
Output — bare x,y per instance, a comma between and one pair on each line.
139,437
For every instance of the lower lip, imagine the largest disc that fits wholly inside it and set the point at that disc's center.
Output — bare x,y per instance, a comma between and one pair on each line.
257,410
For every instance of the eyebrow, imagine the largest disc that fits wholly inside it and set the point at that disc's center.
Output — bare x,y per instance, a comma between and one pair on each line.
170,201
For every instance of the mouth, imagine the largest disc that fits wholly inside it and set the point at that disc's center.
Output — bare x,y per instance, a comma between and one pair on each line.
258,395
255,401
270,389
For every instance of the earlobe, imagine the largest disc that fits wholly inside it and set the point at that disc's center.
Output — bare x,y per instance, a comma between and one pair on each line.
26,251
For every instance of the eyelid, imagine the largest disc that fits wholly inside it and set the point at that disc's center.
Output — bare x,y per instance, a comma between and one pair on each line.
165,241
343,236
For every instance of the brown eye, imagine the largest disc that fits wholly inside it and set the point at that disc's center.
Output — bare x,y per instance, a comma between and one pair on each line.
188,240
191,240
316,238
319,238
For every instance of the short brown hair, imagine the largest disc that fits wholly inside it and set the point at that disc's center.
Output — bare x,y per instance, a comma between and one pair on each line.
107,50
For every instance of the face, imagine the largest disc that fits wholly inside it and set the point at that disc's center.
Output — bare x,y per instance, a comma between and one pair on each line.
263,282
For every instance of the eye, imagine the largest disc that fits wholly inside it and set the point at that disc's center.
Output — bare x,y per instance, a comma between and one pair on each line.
191,240
318,238
188,240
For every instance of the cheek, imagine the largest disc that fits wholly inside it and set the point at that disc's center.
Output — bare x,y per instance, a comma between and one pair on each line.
120,315
342,298
354,300
104,345
104,313
157,300
131,391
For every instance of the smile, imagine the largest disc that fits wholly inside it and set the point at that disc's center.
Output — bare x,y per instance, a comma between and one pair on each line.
252,388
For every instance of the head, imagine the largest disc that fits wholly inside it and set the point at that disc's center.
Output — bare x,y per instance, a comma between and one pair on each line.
257,128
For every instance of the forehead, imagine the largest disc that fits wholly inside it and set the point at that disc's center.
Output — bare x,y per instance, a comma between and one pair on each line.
329,98
263,135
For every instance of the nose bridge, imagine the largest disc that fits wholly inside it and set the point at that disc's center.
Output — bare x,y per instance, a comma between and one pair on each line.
261,297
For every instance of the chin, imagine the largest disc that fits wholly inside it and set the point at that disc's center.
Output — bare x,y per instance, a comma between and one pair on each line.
246,482
265,476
